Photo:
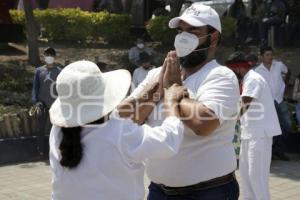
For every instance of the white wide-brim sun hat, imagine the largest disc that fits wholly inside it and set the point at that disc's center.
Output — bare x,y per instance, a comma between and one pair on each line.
85,94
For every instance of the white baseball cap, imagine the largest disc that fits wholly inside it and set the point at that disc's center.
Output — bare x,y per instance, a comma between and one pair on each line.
198,15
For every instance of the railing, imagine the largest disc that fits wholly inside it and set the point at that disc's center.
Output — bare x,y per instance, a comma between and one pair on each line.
17,125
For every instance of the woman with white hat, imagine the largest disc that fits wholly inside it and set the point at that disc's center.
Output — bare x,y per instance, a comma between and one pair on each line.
94,154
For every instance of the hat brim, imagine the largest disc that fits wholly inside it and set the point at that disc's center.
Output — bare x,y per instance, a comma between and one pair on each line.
174,22
117,84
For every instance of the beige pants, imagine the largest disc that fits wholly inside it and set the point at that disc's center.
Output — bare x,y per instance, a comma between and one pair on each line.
254,166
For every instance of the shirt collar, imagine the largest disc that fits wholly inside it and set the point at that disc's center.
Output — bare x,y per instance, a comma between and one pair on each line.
205,67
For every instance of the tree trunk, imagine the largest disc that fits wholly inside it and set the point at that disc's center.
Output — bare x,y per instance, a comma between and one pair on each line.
42,4
127,6
117,6
176,7
32,34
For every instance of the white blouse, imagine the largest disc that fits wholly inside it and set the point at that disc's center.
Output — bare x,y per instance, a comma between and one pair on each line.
112,166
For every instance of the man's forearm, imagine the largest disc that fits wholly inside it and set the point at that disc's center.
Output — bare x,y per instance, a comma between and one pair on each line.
138,109
246,101
198,117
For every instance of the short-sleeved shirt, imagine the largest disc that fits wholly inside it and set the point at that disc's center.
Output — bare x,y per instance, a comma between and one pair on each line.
274,78
139,75
200,158
112,165
260,120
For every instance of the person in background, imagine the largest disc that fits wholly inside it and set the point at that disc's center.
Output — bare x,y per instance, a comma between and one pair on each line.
238,11
257,131
134,54
43,95
258,11
97,152
102,65
293,22
237,60
252,60
275,15
296,97
141,72
275,74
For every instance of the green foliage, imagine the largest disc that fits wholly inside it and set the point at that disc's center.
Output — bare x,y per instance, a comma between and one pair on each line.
159,30
75,24
10,84
17,17
15,84
112,27
228,26
14,78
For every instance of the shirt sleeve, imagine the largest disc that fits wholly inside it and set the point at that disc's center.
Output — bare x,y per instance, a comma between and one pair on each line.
144,142
35,87
130,54
263,74
220,93
133,55
151,77
284,68
149,51
134,78
296,92
252,88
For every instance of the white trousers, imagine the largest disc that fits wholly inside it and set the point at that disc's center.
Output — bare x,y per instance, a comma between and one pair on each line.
254,166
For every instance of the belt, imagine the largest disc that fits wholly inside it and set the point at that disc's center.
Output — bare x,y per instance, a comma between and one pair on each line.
219,181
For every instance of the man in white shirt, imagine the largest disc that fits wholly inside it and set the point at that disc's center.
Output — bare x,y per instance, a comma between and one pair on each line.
134,53
275,72
259,123
141,72
205,164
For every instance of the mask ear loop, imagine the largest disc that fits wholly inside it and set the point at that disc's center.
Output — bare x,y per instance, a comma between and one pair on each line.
205,48
213,46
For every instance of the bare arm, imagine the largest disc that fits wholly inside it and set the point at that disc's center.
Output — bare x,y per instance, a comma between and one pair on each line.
246,101
198,117
138,109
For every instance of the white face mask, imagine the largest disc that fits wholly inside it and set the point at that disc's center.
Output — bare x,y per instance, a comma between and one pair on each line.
140,45
185,43
49,60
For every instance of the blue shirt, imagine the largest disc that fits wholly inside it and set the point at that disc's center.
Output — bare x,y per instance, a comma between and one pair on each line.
44,85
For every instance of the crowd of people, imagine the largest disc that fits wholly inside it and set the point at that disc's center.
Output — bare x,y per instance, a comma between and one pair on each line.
176,123
253,27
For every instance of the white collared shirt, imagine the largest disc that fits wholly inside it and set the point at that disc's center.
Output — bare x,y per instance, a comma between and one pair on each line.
139,75
260,120
274,78
112,166
200,158
134,53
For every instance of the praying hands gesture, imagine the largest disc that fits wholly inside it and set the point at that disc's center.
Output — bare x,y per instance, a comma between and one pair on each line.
170,72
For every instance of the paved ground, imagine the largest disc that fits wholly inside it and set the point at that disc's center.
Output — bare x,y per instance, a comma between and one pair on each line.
32,181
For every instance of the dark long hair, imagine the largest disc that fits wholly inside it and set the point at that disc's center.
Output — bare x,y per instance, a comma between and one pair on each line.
71,147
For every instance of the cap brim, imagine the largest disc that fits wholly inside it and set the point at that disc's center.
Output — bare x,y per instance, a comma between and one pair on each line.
117,85
174,22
